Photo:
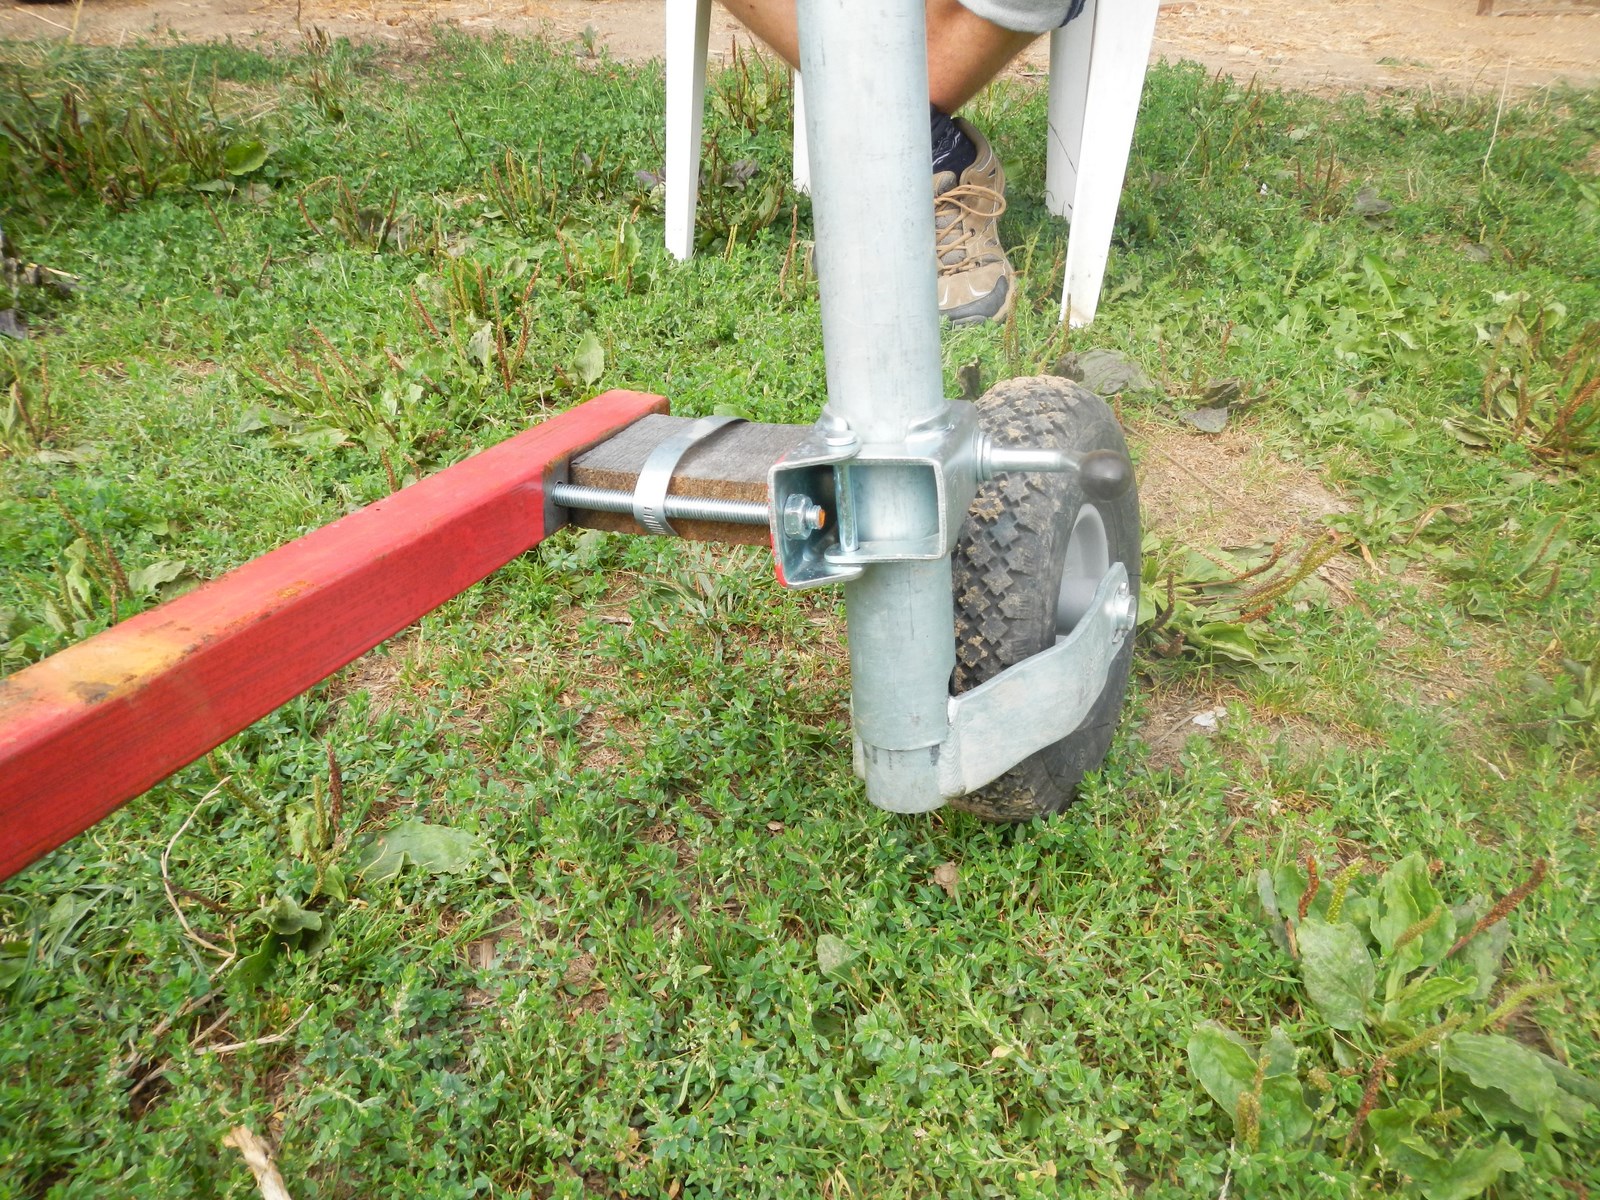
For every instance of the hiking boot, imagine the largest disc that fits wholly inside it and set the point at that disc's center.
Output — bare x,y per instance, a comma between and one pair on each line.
976,282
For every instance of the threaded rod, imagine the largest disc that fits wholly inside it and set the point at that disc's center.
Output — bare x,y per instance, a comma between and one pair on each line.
678,508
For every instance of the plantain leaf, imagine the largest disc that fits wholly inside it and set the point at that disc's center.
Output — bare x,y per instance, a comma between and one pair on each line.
1426,995
1468,1173
435,849
1439,1172
1338,972
1406,896
1280,1053
1221,1060
589,362
1226,1067
834,954
285,917
1495,1062
243,157
1484,952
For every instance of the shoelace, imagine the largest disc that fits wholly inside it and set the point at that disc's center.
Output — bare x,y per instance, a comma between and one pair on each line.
967,200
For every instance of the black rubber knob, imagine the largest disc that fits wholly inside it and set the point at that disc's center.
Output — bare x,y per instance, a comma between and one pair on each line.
1105,474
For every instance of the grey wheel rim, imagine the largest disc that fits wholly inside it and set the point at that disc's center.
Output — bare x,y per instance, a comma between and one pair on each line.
1088,558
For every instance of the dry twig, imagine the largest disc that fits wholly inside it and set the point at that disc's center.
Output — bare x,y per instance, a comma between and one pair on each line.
259,1159
166,881
269,1040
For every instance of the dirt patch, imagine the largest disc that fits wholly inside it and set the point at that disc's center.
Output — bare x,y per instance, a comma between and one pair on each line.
580,991
1355,45
1444,675
1225,489
1327,45
1197,705
489,951
1169,712
379,673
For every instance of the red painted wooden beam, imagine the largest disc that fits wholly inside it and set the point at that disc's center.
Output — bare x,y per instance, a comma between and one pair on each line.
90,728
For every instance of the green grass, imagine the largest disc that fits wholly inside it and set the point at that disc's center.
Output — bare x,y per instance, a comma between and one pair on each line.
616,989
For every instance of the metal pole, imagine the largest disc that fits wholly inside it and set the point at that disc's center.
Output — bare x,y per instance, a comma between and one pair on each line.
865,67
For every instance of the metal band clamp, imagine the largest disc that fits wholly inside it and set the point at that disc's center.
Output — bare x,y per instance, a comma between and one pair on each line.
655,477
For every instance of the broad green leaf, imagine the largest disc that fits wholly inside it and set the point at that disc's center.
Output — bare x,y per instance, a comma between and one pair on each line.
1572,1081
285,917
1279,1052
1228,639
318,437
243,157
301,822
1440,1172
1483,953
1405,896
589,362
435,849
1394,1133
834,954
1570,1114
1498,1110
334,883
480,346
1268,895
257,417
157,574
1285,1117
1288,885
13,961
1468,1173
1338,972
1494,1061
1358,911
1226,1067
1222,1062
1424,996
254,968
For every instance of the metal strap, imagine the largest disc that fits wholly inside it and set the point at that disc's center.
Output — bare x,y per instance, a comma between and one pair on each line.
655,477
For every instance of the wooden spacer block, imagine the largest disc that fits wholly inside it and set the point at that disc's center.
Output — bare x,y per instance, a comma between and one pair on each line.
732,464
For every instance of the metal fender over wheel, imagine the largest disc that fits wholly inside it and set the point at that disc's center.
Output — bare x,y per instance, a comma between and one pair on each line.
1032,552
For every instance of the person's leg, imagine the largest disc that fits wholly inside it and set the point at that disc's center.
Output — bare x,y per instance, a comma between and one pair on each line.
773,21
965,51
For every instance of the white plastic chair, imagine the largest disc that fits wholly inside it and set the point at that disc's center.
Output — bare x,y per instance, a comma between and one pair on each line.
1097,68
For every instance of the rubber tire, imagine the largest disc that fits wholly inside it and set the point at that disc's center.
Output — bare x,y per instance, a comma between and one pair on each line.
1007,570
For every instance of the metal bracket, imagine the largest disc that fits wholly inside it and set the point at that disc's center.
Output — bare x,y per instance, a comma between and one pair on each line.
1038,701
932,476
655,476
808,472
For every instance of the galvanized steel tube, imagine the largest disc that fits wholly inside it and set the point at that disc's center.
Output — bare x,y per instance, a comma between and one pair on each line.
865,67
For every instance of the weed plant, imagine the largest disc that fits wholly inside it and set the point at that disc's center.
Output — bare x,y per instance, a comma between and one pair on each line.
568,890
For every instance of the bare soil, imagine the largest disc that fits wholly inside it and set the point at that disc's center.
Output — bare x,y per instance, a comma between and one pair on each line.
1326,45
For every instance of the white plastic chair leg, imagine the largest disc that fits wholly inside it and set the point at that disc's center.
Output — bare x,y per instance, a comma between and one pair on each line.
802,160
688,31
1120,52
1069,88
